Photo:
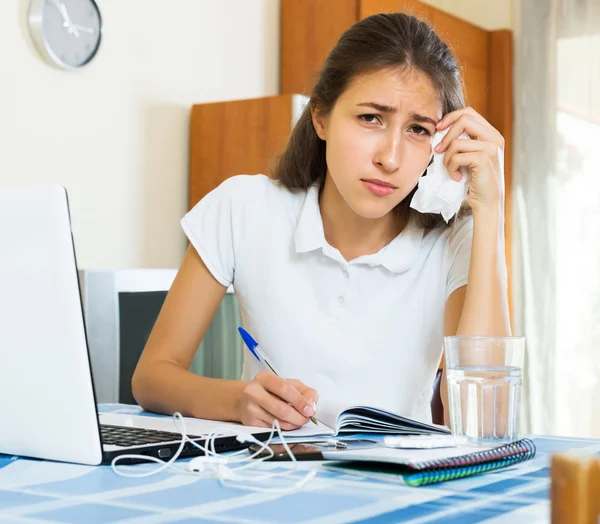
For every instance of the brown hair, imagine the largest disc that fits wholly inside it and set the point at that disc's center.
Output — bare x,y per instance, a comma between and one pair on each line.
381,41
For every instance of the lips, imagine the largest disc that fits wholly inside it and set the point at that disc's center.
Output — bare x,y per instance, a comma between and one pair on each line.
378,187
378,182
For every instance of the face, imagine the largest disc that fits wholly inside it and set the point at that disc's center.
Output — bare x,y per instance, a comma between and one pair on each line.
378,138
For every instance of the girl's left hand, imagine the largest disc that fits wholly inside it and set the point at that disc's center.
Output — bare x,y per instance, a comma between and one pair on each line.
480,154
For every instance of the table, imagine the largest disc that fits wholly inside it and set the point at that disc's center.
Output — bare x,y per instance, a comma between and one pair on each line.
36,492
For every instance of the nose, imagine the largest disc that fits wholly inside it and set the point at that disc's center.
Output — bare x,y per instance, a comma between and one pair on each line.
388,153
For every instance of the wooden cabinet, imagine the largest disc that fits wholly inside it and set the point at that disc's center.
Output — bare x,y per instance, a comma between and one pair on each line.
309,30
237,137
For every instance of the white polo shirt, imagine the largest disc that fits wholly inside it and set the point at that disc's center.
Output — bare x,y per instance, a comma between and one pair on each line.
364,332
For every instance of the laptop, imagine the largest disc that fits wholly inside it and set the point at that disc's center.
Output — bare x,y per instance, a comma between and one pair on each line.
47,400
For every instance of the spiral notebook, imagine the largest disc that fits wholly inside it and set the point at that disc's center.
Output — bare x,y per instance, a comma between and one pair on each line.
419,467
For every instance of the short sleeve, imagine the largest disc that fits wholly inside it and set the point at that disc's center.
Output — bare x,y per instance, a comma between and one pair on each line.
458,254
209,228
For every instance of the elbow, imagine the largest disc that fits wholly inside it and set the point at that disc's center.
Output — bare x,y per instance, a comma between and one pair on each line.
139,388
444,395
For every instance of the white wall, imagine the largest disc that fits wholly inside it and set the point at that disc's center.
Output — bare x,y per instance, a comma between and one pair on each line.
115,133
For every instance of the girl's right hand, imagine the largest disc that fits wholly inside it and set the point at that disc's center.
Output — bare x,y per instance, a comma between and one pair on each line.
269,397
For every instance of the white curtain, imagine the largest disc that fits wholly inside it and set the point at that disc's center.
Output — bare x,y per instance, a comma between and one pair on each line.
221,353
557,212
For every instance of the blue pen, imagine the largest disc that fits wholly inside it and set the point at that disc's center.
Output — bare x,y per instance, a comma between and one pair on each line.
259,354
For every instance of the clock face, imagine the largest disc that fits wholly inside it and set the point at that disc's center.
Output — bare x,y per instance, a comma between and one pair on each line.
70,31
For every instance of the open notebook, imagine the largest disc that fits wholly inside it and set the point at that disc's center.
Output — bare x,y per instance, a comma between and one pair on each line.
363,419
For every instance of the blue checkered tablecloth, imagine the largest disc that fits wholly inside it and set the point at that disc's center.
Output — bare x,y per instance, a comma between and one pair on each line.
36,492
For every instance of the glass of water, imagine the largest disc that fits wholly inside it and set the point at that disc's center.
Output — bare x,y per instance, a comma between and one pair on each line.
484,387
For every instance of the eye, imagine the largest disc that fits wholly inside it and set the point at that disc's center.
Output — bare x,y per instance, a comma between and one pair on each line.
370,118
420,130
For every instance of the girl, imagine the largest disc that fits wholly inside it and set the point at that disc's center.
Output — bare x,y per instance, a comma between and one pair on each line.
342,284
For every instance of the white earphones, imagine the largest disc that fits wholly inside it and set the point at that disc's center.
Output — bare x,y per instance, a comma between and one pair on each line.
197,464
211,464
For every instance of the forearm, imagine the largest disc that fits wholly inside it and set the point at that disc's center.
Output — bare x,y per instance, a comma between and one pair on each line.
485,310
166,387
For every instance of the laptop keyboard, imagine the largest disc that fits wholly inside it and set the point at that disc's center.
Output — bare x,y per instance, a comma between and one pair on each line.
126,436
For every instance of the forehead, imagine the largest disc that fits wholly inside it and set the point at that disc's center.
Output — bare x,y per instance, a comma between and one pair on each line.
405,89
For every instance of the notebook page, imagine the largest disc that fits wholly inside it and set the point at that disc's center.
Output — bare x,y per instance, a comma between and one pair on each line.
401,456
309,430
326,417
366,416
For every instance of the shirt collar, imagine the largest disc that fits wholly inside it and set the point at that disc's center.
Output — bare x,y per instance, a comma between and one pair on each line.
309,233
397,256
400,254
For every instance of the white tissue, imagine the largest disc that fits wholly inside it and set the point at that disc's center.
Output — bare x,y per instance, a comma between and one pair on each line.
437,192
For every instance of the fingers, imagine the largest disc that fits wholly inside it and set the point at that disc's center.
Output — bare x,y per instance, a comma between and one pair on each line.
459,146
280,398
286,390
307,392
269,397
468,121
449,118
259,417
473,160
273,405
472,128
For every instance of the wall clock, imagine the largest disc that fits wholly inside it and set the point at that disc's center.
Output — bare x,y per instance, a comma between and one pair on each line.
67,33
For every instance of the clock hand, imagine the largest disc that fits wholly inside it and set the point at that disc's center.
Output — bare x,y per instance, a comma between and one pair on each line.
84,29
67,19
68,22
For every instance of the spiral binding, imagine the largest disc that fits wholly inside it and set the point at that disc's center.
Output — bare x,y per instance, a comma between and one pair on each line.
433,471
